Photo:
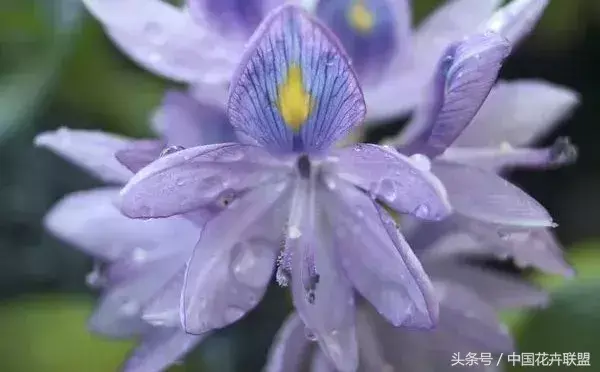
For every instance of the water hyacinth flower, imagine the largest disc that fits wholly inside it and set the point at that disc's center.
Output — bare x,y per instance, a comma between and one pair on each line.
469,296
202,43
138,259
293,97
468,134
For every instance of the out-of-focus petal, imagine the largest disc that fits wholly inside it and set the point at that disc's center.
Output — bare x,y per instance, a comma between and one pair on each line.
449,23
89,221
320,362
405,184
185,121
160,348
378,260
372,31
164,308
515,20
139,153
294,89
120,309
234,259
165,40
486,197
518,113
194,178
465,76
372,356
493,286
561,153
92,150
321,293
289,348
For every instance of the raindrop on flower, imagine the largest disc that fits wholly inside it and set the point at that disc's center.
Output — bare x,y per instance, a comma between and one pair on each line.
154,32
233,314
294,232
130,308
253,263
421,161
422,211
171,150
309,334
386,189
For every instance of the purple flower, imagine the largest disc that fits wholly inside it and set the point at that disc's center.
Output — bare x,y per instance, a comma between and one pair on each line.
138,261
468,146
293,96
469,296
202,43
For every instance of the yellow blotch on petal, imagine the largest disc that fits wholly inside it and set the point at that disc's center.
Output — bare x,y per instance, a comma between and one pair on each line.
294,102
360,17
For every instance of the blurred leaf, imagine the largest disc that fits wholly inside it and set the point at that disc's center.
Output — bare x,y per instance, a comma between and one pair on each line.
35,45
572,320
49,334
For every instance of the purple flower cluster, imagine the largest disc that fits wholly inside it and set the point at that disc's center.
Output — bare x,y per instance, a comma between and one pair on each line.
244,185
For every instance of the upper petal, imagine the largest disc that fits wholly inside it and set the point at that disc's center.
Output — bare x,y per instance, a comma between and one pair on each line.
160,348
165,40
185,121
194,178
516,19
449,23
90,221
233,260
519,112
405,185
378,261
371,31
289,347
92,150
465,76
487,197
294,89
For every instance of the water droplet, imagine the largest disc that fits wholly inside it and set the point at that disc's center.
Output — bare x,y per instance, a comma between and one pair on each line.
171,150
309,334
386,189
252,264
226,198
233,314
130,308
155,57
154,33
139,255
421,161
231,154
422,211
294,232
95,279
330,183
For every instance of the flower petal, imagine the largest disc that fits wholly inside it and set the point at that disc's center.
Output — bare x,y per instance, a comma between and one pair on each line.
89,221
561,153
518,113
119,312
484,196
403,184
493,286
165,40
160,348
139,153
516,19
233,18
379,262
463,80
194,178
92,150
164,308
234,259
188,122
289,348
449,23
295,89
320,362
321,293
372,31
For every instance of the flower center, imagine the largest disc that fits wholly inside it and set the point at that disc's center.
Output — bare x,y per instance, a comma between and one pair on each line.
360,17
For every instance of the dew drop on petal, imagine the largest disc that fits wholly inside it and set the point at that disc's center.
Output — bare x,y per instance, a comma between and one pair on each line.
294,232
233,314
139,255
154,32
171,150
422,211
130,308
421,161
386,189
252,264
309,334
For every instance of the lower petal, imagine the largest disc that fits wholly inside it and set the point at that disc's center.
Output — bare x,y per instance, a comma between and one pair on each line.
160,348
289,348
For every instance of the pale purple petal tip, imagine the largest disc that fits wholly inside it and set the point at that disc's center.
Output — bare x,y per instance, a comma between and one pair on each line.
515,20
139,153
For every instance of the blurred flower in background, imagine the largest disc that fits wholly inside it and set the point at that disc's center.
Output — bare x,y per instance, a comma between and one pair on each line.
59,69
